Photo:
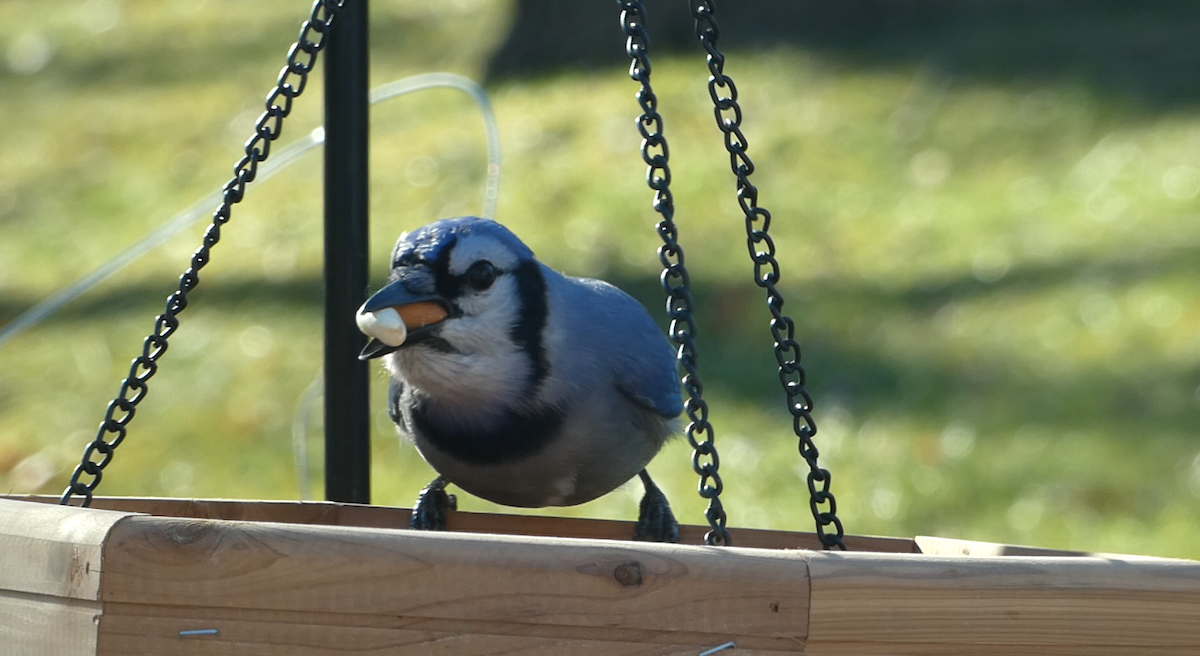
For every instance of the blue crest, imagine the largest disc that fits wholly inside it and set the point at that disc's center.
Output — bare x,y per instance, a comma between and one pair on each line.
427,242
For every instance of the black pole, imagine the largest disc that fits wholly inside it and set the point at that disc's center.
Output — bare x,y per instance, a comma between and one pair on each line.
347,422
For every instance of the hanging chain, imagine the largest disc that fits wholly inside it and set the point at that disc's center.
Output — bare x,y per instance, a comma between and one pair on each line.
674,278
766,275
301,58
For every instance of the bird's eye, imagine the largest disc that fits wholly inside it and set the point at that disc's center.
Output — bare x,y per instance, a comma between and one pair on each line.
481,275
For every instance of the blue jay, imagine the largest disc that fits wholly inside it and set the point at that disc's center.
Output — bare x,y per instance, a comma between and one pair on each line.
516,383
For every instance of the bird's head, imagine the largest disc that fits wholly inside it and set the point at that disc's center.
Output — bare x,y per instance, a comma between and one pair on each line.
459,287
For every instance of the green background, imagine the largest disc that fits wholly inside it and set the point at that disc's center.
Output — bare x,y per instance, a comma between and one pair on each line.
991,260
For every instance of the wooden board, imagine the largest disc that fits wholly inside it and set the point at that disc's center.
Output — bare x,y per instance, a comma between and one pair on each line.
317,588
890,604
41,625
52,550
50,560
758,597
137,631
348,514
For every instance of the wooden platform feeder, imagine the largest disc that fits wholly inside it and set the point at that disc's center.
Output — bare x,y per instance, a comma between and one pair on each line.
134,577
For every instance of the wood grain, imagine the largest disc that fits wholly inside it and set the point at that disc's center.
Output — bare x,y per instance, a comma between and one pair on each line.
52,550
347,514
306,589
137,636
39,625
132,629
539,581
893,604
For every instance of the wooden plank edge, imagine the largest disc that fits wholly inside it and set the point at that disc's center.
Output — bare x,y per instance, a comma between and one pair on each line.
164,623
346,514
142,636
935,546
51,549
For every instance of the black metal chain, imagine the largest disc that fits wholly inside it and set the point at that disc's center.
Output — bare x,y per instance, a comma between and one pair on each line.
766,275
301,58
674,278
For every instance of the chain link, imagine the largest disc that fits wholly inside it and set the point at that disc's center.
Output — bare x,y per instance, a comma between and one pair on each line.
293,77
766,275
674,278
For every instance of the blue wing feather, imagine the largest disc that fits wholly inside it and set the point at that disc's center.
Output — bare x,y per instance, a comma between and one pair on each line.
643,359
651,377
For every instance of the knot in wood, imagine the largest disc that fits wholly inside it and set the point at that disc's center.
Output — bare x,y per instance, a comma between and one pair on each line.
628,574
187,532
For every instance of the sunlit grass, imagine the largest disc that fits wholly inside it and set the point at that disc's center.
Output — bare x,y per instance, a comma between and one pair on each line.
994,281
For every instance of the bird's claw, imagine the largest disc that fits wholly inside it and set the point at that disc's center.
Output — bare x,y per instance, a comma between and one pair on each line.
656,522
429,513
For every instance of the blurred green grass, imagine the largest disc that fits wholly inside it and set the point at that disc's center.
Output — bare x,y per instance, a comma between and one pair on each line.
994,278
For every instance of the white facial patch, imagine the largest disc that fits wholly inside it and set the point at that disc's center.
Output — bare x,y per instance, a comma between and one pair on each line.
486,361
474,248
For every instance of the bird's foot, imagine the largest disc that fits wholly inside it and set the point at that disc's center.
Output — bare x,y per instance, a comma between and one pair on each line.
656,522
429,513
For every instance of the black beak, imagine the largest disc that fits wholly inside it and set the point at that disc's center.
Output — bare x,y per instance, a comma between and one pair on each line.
376,349
397,295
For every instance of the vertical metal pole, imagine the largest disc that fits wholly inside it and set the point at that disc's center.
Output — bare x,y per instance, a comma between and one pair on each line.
347,422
